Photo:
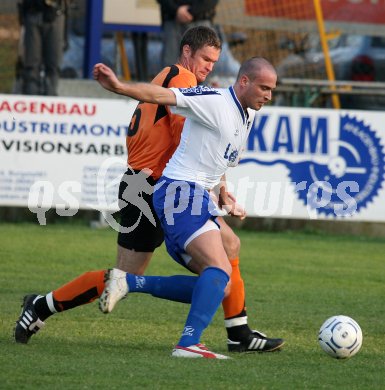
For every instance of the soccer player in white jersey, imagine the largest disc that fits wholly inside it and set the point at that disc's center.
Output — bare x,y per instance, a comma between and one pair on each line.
214,134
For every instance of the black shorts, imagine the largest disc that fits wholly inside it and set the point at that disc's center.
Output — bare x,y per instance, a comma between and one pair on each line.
136,231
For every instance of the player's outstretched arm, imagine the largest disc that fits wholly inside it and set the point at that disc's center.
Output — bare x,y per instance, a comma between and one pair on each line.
144,92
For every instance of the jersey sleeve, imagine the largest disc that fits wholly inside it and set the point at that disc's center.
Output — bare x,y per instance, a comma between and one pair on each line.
200,103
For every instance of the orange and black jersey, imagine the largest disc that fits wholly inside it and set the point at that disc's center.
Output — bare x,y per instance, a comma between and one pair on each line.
154,132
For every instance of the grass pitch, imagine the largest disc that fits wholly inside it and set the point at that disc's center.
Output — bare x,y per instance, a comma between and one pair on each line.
294,282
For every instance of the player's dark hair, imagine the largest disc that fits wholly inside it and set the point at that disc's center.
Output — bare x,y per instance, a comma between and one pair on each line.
198,37
253,66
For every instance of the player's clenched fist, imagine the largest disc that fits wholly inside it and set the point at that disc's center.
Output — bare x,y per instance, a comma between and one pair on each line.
106,77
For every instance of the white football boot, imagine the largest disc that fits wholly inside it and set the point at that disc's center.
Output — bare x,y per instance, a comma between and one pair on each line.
115,289
196,351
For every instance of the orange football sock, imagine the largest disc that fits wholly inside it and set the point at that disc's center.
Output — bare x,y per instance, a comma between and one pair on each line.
83,289
234,304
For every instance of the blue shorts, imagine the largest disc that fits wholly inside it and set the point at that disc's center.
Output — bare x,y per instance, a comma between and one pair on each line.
183,208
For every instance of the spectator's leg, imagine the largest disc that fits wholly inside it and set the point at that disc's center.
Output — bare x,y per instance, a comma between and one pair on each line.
140,46
172,34
53,53
32,54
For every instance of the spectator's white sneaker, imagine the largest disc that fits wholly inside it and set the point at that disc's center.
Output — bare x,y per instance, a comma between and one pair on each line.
115,289
196,351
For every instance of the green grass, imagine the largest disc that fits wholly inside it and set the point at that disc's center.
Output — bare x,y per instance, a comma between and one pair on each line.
294,282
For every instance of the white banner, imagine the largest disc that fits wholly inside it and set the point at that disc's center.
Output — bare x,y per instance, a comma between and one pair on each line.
69,154
313,163
63,153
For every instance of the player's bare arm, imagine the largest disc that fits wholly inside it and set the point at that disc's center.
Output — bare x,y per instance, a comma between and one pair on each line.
144,92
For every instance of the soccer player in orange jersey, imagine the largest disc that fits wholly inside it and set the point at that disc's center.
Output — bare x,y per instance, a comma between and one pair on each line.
153,135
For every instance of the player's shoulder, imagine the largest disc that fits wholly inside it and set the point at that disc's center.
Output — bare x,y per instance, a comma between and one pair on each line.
181,77
175,76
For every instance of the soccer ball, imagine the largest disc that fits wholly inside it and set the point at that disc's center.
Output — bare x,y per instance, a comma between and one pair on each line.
340,337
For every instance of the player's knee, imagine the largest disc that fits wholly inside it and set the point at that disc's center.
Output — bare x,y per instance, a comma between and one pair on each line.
232,246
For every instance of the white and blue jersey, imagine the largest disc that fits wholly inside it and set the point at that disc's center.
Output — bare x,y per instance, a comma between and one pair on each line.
213,136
